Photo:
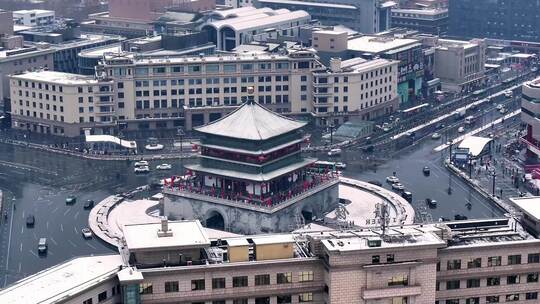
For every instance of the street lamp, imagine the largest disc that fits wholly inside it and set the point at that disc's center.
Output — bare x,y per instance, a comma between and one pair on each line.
493,175
470,165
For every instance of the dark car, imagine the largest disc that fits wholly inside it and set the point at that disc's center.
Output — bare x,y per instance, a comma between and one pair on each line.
30,220
70,200
88,204
407,195
426,171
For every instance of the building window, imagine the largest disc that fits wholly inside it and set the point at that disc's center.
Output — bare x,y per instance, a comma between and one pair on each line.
197,284
87,301
399,300
375,259
532,277
263,300
474,263
453,265
285,299
171,286
454,284
102,296
452,301
305,276
473,283
514,259
305,297
492,299
399,280
218,283
528,296
240,301
494,261
533,258
472,301
512,297
493,281
512,279
284,278
240,281
262,279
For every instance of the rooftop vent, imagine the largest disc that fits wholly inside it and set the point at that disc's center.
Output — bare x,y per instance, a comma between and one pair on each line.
374,242
164,231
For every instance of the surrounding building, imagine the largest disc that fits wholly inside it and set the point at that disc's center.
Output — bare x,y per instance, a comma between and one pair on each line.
19,60
252,177
6,23
482,261
495,19
407,51
366,16
429,21
355,88
60,103
35,17
228,29
460,65
530,114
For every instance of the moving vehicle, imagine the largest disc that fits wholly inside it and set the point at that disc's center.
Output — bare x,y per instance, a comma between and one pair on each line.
469,120
336,151
142,169
500,106
88,204
426,170
407,195
435,135
508,94
42,245
86,233
321,164
392,179
503,111
164,167
30,221
398,186
431,203
141,163
461,129
70,200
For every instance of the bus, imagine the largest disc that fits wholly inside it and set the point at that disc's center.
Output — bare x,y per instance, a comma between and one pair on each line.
414,110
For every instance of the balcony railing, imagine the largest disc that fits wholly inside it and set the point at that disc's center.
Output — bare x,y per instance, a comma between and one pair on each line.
266,204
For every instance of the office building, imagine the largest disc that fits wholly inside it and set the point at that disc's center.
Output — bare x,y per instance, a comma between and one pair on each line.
355,88
460,65
33,18
508,20
6,23
228,29
61,104
530,112
365,16
482,261
429,21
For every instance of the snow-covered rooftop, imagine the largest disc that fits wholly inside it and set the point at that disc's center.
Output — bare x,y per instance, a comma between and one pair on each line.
251,121
475,144
185,234
54,284
374,44
529,205
56,77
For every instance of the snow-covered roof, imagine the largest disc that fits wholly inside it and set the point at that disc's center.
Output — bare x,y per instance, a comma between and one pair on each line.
272,239
529,205
475,144
57,77
251,121
55,284
185,234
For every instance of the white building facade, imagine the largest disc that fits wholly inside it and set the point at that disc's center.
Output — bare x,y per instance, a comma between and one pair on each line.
36,17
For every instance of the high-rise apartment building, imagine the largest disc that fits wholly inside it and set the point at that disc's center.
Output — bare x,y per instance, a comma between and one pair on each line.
502,19
530,113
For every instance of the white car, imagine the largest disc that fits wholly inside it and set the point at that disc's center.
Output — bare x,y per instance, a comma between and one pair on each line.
336,151
392,179
502,111
461,129
154,147
142,169
164,167
500,106
86,233
141,163
398,186
436,135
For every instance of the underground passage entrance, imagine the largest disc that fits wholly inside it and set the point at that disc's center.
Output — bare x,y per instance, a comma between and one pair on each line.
215,221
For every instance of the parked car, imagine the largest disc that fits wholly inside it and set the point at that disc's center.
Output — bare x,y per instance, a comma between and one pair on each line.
461,129
70,200
436,135
407,195
398,186
30,221
88,204
426,171
392,179
42,245
86,233
164,167
431,203
336,151
141,163
142,169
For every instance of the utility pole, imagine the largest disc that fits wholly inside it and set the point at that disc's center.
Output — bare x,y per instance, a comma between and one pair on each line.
493,175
